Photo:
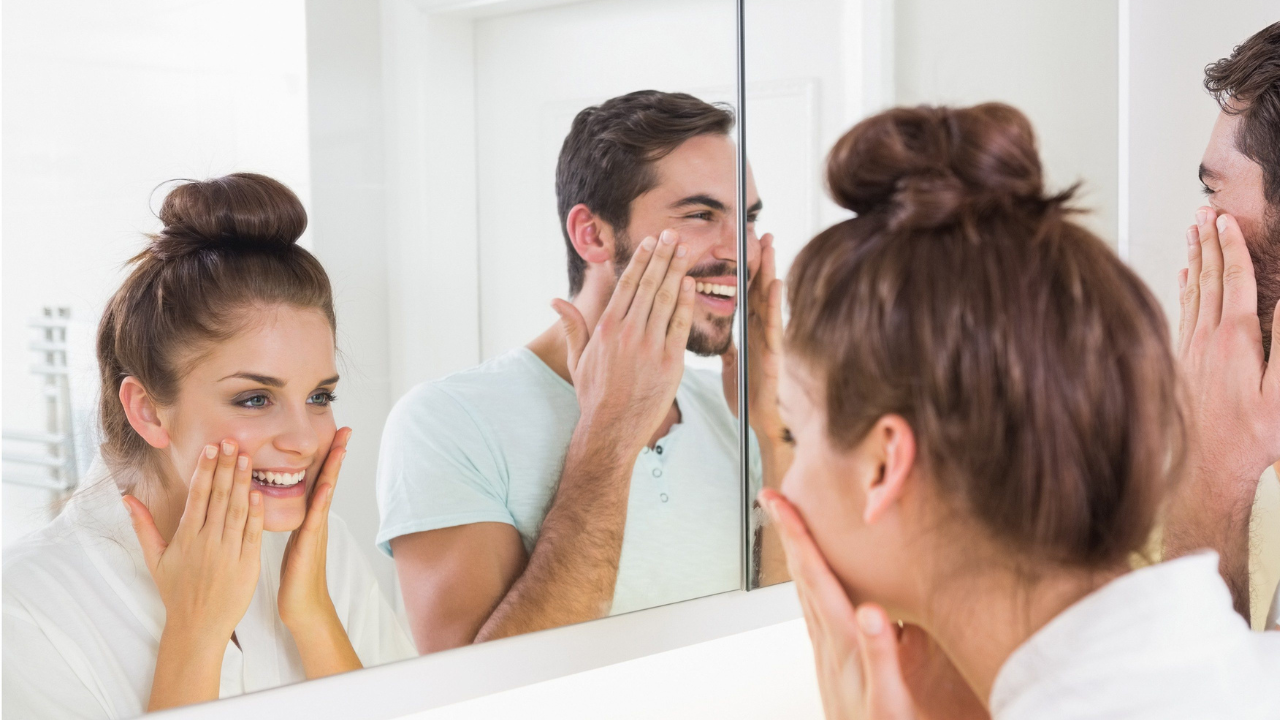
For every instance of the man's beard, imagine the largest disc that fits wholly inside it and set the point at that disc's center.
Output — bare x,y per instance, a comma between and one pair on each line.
705,341
1265,252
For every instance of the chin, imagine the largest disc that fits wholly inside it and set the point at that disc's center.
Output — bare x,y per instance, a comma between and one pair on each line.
711,338
283,515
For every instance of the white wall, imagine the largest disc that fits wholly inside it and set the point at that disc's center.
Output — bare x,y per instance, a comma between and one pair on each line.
348,227
1056,60
1170,118
102,103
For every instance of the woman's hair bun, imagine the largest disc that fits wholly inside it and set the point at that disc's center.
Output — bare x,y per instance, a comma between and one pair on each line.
926,167
237,211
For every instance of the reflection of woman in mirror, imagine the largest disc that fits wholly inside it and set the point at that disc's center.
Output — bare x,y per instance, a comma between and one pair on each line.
983,403
217,361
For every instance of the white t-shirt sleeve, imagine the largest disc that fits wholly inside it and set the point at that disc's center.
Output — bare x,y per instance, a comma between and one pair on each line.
437,467
39,682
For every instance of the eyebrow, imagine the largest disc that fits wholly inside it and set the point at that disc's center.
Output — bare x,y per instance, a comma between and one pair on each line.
1207,174
714,204
270,381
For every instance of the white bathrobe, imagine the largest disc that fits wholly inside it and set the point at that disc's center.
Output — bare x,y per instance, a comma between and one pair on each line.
82,616
1160,643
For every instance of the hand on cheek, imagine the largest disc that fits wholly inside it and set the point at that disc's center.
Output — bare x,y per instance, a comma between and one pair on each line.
859,652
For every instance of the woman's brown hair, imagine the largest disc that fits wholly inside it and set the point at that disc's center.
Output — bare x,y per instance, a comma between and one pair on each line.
1033,366
228,244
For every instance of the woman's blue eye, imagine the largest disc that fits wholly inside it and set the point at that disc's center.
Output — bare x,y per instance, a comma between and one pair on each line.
254,401
322,398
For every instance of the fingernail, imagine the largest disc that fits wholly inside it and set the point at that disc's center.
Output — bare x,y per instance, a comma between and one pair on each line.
682,251
1193,235
1201,216
227,448
668,237
242,462
870,621
1222,224
648,243
210,452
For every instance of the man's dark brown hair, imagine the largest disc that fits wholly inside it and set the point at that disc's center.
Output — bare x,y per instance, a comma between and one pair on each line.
1248,84
1032,364
607,159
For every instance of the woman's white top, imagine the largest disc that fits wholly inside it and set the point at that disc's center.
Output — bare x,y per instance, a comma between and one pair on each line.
1160,643
82,616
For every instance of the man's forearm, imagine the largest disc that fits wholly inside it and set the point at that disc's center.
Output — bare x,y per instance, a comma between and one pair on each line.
573,568
1207,513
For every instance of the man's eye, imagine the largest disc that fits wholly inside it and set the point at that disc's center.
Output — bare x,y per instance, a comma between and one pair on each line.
322,398
1206,190
700,216
254,401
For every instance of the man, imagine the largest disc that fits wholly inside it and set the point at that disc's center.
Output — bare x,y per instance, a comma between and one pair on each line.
1228,319
588,472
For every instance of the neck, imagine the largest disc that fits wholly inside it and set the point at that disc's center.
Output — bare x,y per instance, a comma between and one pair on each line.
980,620
164,495
591,302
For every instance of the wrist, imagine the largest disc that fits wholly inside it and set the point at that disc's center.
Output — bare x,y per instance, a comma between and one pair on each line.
192,638
318,616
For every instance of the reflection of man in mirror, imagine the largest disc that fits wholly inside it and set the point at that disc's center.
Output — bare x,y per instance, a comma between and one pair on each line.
1230,298
589,473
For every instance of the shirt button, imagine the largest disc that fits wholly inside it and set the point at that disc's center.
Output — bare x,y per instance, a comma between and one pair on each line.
657,472
658,449
664,497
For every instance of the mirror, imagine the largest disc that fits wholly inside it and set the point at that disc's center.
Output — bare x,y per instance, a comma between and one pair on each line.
423,140
816,67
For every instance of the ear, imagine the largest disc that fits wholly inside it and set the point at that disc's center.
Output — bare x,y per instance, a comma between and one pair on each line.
892,447
142,412
592,237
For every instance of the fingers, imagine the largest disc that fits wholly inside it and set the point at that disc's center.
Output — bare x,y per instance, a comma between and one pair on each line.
805,561
220,494
198,492
887,693
153,545
668,295
252,544
773,331
681,319
768,263
1191,293
654,274
576,333
625,290
1239,289
1182,308
322,496
1210,312
238,505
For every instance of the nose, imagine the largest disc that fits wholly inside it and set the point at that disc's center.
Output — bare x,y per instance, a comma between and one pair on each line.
297,436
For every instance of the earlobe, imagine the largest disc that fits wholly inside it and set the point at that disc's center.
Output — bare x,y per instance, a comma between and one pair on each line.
143,415
893,446
591,236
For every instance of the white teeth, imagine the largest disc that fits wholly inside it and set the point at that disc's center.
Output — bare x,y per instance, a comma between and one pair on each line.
712,288
279,479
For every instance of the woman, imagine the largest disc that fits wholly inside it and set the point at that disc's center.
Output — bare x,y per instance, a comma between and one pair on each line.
217,363
985,419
